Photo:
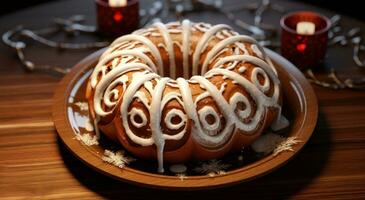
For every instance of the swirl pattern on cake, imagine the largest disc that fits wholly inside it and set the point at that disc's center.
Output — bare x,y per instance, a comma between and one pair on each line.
182,91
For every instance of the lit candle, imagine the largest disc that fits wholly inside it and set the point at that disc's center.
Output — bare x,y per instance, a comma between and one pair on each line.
304,38
117,3
117,17
306,28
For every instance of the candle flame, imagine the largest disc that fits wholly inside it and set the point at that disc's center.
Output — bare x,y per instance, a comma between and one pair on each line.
117,3
306,28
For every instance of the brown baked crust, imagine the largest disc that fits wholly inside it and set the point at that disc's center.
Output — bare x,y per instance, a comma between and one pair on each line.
186,148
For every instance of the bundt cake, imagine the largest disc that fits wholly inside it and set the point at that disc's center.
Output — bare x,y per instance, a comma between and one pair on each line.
184,91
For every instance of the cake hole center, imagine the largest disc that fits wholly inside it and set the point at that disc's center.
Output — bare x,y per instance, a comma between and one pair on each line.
176,120
241,106
261,79
210,119
138,119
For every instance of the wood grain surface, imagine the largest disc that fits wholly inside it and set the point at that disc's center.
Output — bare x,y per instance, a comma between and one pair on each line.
34,164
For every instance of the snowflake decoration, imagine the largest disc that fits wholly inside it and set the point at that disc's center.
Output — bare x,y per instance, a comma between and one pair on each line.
222,172
87,139
212,168
82,105
117,159
213,174
286,145
181,176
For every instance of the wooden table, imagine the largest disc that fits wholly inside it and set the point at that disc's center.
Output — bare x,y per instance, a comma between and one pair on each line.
35,164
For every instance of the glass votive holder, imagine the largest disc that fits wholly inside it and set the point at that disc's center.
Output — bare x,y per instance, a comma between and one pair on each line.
114,21
304,37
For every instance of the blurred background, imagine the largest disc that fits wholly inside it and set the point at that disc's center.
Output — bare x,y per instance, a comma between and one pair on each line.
351,8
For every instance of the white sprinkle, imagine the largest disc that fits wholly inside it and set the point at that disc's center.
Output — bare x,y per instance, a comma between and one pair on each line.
87,139
181,176
82,105
286,145
117,159
242,69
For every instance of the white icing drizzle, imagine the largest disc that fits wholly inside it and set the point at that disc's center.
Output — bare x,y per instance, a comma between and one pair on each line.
141,97
203,42
241,47
174,31
221,45
121,53
178,45
155,34
202,27
167,98
254,77
216,140
127,38
175,113
220,35
108,82
172,83
170,47
114,62
127,99
263,65
138,112
261,100
162,46
186,46
207,124
241,69
257,51
173,24
155,121
229,33
211,127
218,54
240,98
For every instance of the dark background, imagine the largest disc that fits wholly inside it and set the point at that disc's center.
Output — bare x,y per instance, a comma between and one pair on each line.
12,6
351,8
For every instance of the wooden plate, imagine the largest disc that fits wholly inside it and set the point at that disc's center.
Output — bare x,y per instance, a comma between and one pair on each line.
299,100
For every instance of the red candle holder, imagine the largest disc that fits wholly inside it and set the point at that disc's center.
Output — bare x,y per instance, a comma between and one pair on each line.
117,21
304,50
